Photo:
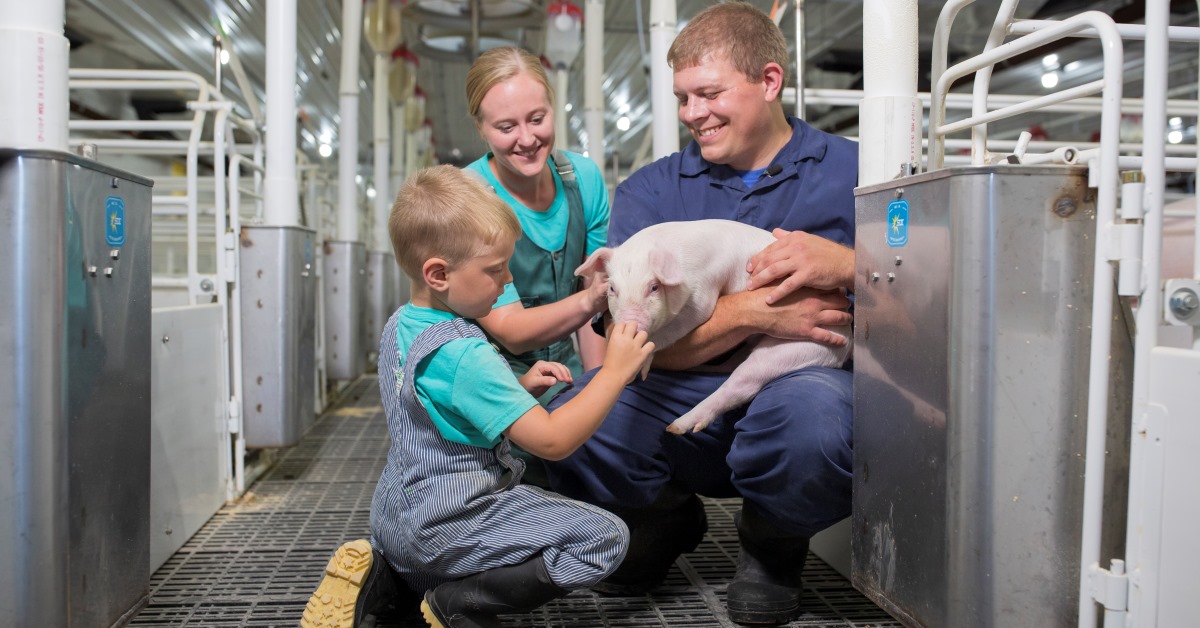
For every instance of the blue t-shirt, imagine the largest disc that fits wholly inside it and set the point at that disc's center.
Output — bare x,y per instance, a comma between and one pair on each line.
548,229
468,390
813,190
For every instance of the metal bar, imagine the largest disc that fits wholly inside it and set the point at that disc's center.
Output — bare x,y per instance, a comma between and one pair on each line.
1012,110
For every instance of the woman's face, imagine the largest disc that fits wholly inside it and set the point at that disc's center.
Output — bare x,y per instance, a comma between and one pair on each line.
517,123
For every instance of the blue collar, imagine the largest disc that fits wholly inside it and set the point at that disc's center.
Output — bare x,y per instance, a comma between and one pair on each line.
806,143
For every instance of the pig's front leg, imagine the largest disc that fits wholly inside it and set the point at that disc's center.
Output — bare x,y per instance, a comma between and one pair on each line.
744,382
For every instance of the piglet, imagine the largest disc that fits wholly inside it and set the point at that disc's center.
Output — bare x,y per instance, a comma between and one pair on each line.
667,277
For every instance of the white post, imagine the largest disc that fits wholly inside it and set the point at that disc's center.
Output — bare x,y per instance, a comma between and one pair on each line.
347,214
280,189
560,109
34,103
593,77
399,135
382,154
664,107
890,112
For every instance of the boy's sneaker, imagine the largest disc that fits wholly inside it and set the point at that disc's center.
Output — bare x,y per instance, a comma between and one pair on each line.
357,583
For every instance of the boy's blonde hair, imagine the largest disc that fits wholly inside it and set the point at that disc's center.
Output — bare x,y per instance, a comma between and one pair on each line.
498,65
445,212
737,32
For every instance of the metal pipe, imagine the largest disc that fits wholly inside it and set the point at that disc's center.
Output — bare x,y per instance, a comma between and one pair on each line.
1127,31
800,58
399,136
664,106
34,106
983,78
1143,530
593,80
560,108
347,222
283,203
383,152
937,103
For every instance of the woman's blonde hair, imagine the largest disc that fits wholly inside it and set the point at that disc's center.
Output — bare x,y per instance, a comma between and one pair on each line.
498,65
445,212
737,32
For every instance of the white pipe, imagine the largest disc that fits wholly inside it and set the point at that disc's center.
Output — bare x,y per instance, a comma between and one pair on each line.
983,79
1102,300
957,101
1143,531
1127,31
560,109
398,142
34,105
383,152
593,79
283,203
890,112
941,37
347,215
193,149
664,106
801,58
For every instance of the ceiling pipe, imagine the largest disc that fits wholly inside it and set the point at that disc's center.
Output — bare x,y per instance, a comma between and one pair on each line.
34,104
282,207
890,112
347,214
593,79
664,106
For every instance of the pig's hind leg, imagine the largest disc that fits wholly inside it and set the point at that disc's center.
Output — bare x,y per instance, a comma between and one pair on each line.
769,359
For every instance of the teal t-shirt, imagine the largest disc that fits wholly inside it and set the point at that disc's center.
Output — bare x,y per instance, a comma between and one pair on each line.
548,229
468,390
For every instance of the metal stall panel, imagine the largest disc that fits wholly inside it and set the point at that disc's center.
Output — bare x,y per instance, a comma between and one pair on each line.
189,444
33,424
381,295
75,431
108,391
278,305
973,306
347,339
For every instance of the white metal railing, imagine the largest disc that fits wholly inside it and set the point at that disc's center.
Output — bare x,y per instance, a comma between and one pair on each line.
221,283
1131,241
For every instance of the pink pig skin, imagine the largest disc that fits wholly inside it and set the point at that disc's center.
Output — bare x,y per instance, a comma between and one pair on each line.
667,278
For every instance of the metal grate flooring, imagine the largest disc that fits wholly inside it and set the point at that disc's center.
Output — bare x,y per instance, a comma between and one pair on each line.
256,562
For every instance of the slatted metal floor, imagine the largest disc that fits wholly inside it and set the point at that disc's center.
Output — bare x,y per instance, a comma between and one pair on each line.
256,562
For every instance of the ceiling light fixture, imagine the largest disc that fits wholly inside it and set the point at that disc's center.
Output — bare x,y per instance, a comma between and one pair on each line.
1050,80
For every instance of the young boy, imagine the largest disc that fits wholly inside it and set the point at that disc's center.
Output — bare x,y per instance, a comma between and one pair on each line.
450,515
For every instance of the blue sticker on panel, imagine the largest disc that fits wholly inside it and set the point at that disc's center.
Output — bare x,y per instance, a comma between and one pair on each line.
114,221
897,223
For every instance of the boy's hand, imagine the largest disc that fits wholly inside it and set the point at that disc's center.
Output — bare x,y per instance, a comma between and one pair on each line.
596,287
628,351
542,375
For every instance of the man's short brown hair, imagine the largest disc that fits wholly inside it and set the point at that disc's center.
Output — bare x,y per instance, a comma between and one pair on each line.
737,32
445,212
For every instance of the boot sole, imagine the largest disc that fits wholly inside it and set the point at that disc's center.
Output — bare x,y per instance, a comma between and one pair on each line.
332,604
767,618
431,618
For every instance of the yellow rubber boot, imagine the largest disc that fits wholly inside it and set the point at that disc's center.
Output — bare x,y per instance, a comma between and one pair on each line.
332,605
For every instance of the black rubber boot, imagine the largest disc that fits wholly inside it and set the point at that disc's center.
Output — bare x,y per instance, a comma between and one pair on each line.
358,583
475,601
766,589
658,534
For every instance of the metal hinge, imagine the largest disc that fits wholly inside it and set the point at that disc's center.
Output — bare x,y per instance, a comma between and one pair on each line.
1110,587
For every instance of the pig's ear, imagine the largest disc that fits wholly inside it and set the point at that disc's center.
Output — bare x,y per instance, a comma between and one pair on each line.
597,262
665,267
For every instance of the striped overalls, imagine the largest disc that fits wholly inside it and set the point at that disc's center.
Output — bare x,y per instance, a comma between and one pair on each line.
444,510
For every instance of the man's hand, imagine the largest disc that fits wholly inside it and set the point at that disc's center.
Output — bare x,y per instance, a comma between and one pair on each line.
801,260
800,315
542,375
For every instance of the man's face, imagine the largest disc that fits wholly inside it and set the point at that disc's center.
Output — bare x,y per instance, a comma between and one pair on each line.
726,114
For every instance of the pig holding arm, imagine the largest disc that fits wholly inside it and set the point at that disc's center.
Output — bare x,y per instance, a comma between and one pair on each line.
667,277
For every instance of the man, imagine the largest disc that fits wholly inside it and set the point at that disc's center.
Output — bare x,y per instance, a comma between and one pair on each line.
788,453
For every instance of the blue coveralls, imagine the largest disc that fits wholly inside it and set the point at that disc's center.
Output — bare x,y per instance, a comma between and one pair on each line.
444,510
789,452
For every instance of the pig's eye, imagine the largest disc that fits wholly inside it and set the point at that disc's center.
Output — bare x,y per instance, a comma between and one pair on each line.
653,288
612,289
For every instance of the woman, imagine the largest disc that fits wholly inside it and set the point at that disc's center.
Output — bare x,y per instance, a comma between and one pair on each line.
562,203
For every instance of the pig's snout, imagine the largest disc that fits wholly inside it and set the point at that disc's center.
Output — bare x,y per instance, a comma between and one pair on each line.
640,317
